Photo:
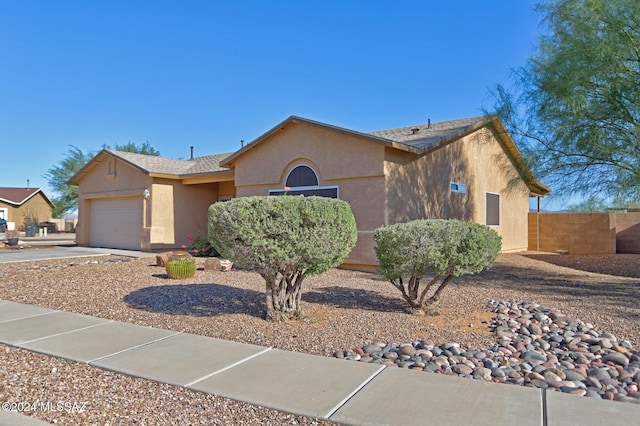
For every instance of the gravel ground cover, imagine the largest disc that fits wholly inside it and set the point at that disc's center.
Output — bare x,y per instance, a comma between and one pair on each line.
343,309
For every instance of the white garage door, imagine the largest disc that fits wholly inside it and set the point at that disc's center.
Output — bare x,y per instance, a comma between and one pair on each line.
116,223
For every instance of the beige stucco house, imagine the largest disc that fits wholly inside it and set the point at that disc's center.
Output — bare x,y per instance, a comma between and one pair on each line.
467,169
22,205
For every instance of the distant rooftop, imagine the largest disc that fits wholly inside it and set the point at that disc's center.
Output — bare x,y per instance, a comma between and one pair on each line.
18,196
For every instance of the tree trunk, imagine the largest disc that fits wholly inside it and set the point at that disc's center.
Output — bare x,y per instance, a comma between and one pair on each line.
436,296
284,293
405,295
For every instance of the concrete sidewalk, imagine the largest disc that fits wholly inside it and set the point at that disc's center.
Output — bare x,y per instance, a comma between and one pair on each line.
341,391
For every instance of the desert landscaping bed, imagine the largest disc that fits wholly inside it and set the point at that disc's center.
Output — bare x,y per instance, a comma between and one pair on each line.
343,309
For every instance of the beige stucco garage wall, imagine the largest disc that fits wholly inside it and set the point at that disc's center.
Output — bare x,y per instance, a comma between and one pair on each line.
107,178
353,164
419,188
171,212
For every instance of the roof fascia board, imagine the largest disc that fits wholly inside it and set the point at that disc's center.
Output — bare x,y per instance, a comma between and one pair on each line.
98,158
229,161
219,176
164,176
13,203
73,180
33,194
515,156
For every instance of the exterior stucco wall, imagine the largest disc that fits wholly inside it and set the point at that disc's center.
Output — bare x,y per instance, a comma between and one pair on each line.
35,207
108,178
179,211
226,190
172,212
354,165
419,188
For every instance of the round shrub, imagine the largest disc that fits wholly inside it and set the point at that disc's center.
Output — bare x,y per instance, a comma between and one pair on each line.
284,239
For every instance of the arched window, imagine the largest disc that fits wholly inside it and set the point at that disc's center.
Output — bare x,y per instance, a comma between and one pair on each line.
302,176
302,180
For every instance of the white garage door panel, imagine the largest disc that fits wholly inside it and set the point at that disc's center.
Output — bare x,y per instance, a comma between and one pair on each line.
116,223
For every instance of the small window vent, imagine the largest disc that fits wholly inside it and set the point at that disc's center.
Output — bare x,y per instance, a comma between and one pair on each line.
458,187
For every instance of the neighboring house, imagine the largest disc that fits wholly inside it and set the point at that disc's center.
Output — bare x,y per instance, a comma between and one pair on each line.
24,205
467,169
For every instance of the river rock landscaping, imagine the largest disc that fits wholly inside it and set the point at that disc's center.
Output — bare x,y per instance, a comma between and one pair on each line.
536,346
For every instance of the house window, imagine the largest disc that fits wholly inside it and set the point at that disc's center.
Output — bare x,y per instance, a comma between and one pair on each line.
303,180
329,192
458,187
302,176
493,209
3,214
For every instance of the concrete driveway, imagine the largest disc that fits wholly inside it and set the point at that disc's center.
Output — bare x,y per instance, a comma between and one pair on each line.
63,252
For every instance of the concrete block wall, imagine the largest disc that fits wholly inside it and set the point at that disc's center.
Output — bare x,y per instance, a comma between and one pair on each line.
576,233
627,227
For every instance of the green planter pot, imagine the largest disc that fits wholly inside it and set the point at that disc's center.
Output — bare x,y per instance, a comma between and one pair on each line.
181,265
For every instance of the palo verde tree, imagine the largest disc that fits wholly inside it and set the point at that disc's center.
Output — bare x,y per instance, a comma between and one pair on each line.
575,107
284,239
66,198
436,248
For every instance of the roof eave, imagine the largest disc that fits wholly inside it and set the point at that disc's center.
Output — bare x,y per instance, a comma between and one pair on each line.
536,187
208,177
12,202
75,179
455,136
229,161
18,203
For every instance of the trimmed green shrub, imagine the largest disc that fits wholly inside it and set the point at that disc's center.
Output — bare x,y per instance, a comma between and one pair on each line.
284,239
408,252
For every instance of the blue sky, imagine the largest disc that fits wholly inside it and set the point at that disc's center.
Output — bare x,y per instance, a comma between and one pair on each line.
210,73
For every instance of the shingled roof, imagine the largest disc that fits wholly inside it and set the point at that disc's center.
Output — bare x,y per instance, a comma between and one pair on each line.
19,196
419,139
156,165
424,136
171,166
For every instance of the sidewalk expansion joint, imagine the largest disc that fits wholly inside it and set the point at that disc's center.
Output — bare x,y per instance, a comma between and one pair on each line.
355,391
29,316
544,407
235,364
134,347
63,333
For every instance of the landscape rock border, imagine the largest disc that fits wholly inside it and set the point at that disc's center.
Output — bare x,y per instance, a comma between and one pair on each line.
536,347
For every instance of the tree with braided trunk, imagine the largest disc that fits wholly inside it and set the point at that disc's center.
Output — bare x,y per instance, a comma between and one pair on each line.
284,239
